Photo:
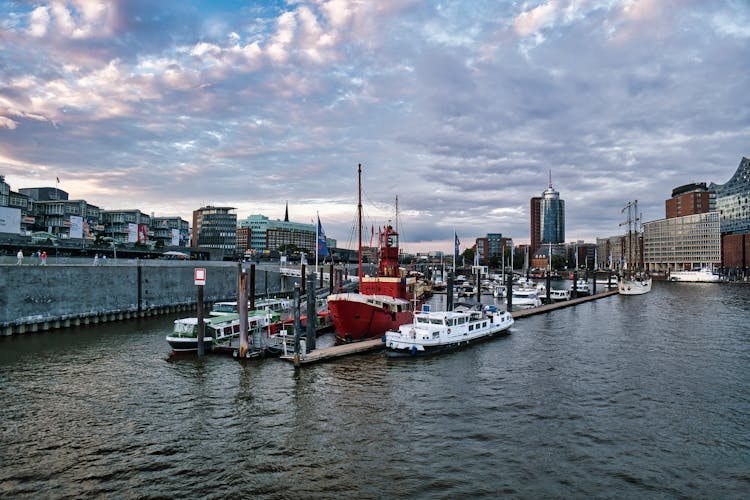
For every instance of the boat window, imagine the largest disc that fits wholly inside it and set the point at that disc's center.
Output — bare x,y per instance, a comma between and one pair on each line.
484,324
435,335
236,328
461,321
471,327
228,330
436,321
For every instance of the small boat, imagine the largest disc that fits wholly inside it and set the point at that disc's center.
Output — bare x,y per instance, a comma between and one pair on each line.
605,282
184,337
525,297
433,332
582,287
261,306
218,330
703,275
559,295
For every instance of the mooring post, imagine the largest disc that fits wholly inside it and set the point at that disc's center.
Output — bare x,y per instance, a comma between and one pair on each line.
303,273
509,293
297,321
330,279
609,280
242,310
479,287
593,285
549,287
449,297
574,294
312,316
201,326
252,286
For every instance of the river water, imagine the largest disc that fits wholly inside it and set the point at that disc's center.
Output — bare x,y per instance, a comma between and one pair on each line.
623,397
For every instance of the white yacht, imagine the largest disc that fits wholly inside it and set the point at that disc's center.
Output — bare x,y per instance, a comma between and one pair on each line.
703,275
433,332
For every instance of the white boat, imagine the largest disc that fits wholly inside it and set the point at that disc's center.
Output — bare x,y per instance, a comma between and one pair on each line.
217,330
634,281
635,285
703,275
582,287
433,332
605,282
280,306
525,297
559,295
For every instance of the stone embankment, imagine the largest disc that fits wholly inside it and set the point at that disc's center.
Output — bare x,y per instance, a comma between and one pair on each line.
38,298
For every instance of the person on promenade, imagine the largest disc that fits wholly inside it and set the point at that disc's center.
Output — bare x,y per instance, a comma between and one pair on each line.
44,258
96,259
19,255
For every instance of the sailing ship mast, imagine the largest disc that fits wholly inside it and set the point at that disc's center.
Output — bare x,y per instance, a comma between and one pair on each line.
359,216
632,222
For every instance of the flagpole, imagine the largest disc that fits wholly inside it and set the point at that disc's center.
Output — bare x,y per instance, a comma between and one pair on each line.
454,251
317,242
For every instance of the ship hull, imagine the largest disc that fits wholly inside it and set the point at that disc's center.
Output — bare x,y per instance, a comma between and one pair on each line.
359,317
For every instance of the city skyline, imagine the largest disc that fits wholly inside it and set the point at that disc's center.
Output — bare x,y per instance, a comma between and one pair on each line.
172,106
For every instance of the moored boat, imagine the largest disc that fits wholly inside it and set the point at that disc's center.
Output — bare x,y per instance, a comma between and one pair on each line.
434,332
383,301
703,275
634,280
559,295
525,297
582,287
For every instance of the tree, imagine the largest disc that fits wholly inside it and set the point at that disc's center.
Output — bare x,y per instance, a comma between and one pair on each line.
495,262
558,262
468,256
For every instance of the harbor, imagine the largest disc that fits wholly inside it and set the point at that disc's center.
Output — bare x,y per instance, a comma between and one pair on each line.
570,403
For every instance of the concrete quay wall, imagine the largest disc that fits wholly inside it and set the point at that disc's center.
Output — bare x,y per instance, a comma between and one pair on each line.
38,298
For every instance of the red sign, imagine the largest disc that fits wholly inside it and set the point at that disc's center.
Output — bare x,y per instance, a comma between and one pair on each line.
199,274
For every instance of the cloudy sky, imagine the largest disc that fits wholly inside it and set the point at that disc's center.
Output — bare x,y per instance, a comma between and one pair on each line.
459,108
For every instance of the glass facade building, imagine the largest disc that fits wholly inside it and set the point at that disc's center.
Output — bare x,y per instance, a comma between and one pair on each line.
215,227
552,217
733,200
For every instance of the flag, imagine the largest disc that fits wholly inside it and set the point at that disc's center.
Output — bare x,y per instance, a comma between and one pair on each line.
457,242
322,246
58,180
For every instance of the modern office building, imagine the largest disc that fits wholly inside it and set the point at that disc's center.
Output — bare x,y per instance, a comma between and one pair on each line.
679,243
67,218
733,200
170,231
694,198
552,217
215,227
44,193
270,235
547,219
126,226
535,231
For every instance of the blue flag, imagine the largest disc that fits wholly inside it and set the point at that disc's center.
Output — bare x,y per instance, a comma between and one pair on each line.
322,246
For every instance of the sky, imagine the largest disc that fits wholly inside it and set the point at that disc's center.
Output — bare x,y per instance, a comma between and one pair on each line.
460,110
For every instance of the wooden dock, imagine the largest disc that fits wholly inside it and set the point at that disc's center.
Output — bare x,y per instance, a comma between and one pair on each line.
338,351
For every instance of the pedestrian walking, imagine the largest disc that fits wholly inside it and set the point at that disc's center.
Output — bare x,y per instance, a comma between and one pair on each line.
96,259
104,259
19,255
44,258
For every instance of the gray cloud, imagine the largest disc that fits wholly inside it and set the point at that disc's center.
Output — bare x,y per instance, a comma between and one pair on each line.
460,110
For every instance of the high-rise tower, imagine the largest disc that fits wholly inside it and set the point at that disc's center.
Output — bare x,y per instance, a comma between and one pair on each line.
547,218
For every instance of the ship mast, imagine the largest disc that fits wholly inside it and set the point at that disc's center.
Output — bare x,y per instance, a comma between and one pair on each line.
359,215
